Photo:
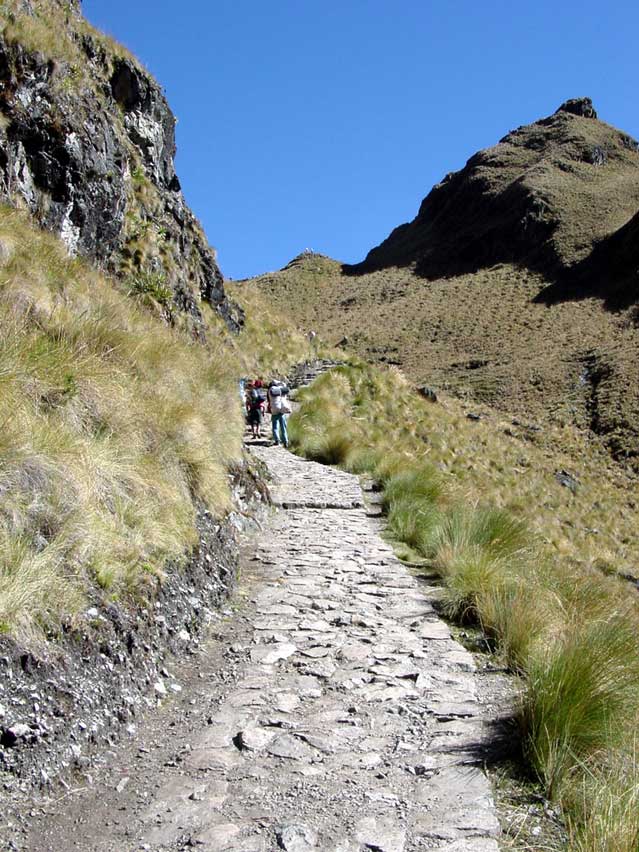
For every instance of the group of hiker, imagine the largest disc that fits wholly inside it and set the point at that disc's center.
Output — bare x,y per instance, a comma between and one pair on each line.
272,399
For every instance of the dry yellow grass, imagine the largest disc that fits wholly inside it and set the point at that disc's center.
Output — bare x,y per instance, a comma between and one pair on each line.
270,342
480,336
111,434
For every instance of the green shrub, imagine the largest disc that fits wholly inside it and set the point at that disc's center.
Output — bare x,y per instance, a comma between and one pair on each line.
150,286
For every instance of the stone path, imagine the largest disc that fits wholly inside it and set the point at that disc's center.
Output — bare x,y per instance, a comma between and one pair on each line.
339,715
354,726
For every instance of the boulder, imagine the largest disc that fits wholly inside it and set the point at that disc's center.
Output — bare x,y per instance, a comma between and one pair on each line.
427,393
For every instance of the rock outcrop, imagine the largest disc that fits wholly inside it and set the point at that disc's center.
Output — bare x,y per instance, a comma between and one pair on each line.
544,197
578,106
87,146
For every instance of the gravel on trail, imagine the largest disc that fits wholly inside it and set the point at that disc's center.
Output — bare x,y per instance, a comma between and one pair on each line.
331,709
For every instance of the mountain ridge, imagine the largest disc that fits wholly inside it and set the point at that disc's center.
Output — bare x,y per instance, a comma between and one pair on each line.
544,197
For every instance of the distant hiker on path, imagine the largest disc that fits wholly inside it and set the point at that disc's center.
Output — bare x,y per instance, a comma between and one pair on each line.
255,404
279,407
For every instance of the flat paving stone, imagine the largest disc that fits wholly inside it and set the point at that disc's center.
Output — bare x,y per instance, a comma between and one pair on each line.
272,653
381,835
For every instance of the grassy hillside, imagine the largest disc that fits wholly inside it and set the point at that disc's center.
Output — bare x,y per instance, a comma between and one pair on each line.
511,547
515,285
119,420
115,427
270,342
566,366
591,527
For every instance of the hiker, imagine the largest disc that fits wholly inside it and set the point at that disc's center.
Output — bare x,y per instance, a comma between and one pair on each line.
279,407
255,401
261,390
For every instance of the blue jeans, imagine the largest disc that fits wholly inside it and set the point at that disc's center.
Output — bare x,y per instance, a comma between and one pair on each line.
278,421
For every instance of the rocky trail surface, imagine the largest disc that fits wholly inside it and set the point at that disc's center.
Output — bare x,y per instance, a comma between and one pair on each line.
331,709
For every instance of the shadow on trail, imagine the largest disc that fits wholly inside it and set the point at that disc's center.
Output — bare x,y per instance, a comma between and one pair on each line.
500,743
258,442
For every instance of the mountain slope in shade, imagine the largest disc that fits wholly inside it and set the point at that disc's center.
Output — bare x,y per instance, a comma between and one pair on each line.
544,197
610,272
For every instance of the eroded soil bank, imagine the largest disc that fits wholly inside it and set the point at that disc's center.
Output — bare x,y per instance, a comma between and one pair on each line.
64,703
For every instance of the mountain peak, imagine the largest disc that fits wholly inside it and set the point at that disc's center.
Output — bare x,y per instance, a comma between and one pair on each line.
543,198
578,106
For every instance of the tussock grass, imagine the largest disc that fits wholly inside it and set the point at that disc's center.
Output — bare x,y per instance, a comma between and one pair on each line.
475,550
269,342
411,495
567,628
581,696
111,434
417,482
519,630
413,521
606,800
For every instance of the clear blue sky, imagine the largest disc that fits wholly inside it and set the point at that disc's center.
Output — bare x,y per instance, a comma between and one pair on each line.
323,123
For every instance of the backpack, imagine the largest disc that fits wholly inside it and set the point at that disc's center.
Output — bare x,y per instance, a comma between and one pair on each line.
279,390
255,400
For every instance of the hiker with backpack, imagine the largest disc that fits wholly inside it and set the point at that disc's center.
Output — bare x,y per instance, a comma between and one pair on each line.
279,406
255,404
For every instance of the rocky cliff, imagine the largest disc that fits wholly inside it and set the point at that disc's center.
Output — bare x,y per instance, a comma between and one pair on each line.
87,146
545,197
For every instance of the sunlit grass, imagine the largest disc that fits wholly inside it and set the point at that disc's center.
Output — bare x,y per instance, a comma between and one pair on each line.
605,800
269,343
582,696
111,434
